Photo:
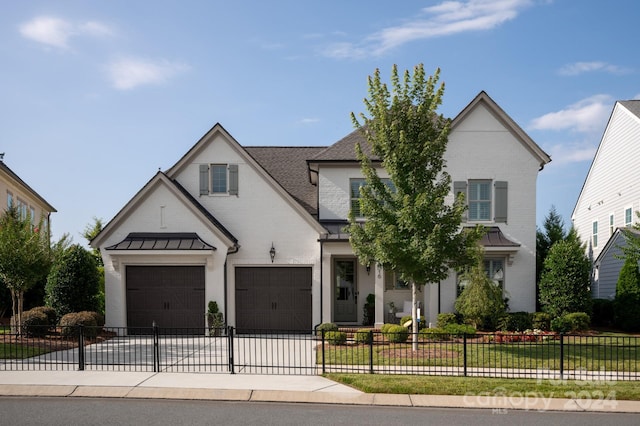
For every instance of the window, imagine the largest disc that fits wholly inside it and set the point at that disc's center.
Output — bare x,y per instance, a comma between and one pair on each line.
9,199
493,268
627,216
392,281
218,179
354,193
480,200
594,234
611,222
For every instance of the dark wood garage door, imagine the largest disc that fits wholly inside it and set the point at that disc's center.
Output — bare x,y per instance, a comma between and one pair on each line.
273,299
172,296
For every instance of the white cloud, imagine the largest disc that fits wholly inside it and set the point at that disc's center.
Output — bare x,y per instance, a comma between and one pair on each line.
446,18
56,32
129,73
588,115
574,152
309,120
584,67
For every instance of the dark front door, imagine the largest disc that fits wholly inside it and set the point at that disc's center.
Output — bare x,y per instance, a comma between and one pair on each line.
346,292
273,299
170,296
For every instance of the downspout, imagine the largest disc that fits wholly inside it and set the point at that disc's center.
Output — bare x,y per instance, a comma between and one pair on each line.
321,275
235,249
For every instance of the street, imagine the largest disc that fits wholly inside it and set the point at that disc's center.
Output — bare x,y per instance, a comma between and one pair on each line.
18,411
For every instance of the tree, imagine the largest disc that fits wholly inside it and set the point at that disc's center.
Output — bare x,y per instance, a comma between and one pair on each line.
627,300
73,283
553,232
564,285
25,257
481,302
409,226
90,232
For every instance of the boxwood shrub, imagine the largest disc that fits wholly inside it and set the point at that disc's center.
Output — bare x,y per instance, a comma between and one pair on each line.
69,324
335,337
34,323
326,326
397,334
362,335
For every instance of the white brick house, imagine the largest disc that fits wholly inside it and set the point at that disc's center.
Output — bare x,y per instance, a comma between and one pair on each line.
259,230
610,196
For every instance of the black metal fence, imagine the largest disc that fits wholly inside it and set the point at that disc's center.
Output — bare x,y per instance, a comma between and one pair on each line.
523,355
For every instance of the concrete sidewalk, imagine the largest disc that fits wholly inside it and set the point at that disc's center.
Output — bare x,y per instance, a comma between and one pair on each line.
268,388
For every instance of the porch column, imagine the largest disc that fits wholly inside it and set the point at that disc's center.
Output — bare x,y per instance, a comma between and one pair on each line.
379,292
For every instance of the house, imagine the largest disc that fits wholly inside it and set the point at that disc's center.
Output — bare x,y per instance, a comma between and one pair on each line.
19,194
610,195
260,231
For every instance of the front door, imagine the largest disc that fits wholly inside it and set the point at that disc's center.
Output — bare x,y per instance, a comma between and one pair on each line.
346,292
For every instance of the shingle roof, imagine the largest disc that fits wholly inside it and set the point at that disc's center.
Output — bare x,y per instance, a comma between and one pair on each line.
633,106
288,166
344,149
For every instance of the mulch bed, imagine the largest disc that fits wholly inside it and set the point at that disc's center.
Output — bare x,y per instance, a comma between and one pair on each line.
54,341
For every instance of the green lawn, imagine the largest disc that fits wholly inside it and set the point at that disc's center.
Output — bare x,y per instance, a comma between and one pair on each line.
18,351
440,385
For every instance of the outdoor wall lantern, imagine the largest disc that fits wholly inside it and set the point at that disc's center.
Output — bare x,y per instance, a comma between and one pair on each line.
272,252
368,268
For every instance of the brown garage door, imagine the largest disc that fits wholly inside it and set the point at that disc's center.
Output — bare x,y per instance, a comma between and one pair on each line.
172,296
273,299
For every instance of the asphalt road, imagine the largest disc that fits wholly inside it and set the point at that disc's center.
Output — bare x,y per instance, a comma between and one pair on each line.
93,411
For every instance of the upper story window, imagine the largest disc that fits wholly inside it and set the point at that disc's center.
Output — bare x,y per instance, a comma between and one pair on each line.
611,222
594,234
9,199
219,179
486,199
354,193
493,268
627,216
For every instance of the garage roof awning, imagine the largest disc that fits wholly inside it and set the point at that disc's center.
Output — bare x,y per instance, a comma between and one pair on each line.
162,241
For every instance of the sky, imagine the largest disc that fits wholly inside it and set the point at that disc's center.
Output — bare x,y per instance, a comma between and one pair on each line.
97,96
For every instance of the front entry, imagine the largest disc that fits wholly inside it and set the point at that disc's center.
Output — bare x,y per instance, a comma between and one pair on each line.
346,292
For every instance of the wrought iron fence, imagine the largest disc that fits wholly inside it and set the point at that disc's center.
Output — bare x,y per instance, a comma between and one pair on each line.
523,355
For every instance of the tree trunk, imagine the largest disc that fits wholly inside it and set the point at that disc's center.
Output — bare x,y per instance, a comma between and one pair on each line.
414,316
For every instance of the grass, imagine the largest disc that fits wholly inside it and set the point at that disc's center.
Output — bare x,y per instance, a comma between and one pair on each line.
439,385
18,351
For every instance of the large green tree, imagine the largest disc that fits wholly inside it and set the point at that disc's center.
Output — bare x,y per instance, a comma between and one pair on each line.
627,300
410,227
25,257
73,283
552,232
565,281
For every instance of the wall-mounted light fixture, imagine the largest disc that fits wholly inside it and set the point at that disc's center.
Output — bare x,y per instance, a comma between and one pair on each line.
272,252
368,268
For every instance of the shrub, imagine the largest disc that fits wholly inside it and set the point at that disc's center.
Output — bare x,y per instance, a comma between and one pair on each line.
627,314
335,337
397,334
73,283
69,324
434,334
34,323
362,335
603,312
51,314
447,318
385,328
460,329
481,302
515,321
541,321
326,326
560,325
579,321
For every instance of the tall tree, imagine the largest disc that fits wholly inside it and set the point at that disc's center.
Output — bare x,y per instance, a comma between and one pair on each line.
410,228
90,232
627,299
553,232
25,257
565,281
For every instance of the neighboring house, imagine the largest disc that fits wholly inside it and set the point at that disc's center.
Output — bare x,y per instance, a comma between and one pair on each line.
260,231
610,195
18,193
607,266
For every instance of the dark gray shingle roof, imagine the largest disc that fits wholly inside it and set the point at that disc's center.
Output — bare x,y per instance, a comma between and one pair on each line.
633,106
288,166
344,149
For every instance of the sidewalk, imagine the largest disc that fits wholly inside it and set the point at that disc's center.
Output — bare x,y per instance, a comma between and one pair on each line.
266,388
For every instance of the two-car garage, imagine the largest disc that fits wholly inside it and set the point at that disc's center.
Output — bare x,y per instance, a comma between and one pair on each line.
266,298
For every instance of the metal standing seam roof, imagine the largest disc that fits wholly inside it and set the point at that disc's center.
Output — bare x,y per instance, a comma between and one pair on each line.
495,238
162,241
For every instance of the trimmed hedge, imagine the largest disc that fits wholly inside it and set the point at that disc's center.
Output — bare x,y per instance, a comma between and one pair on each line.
326,326
571,323
35,323
397,334
447,318
335,337
52,316
69,324
362,335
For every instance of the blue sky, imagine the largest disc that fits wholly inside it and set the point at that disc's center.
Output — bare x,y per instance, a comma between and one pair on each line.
96,96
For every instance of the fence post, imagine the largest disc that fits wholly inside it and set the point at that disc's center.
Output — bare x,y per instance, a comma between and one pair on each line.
156,348
230,346
464,352
370,351
324,370
561,355
80,347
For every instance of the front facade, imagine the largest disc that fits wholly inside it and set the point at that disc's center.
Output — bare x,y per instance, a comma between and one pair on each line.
610,195
260,231
16,192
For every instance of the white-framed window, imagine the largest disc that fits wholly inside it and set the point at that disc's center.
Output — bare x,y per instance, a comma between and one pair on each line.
611,224
9,199
218,179
594,233
480,200
354,193
392,281
628,216
493,268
